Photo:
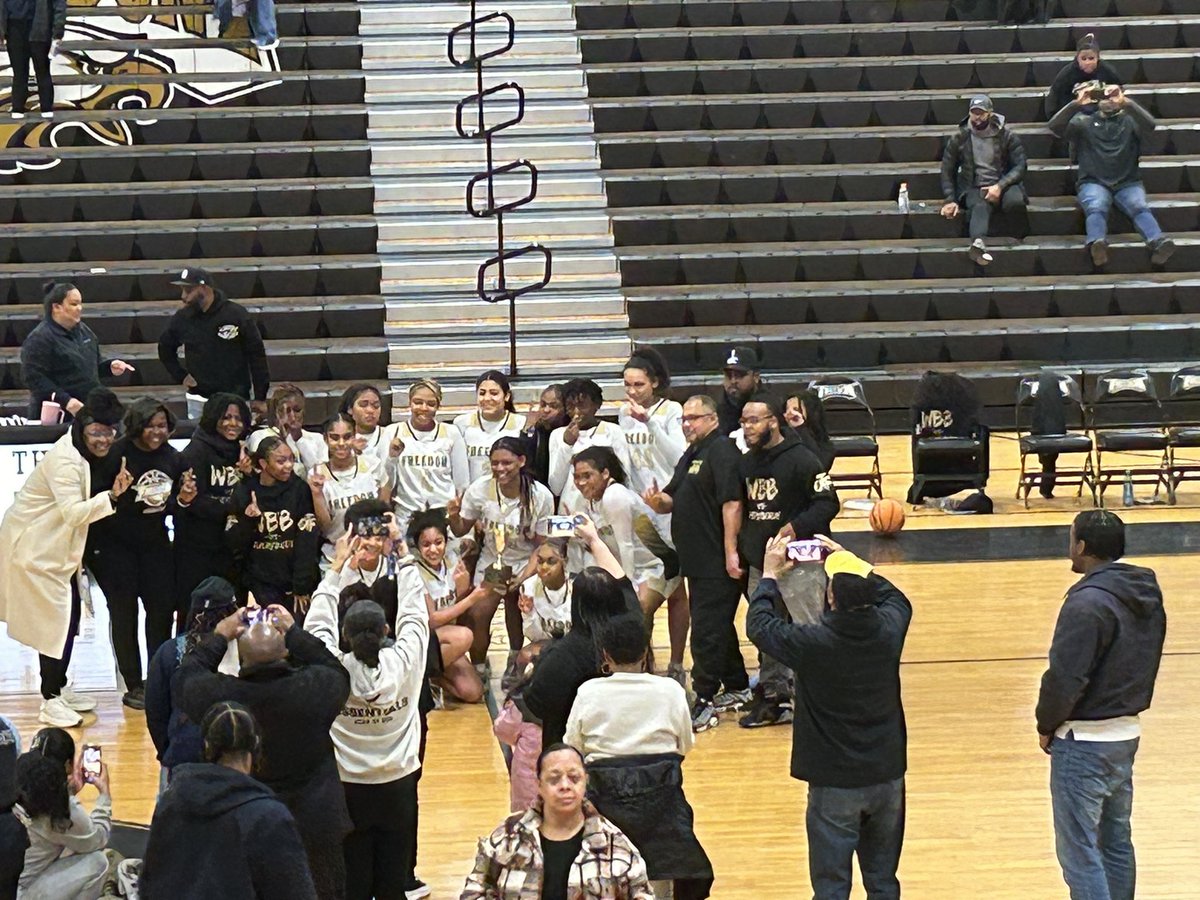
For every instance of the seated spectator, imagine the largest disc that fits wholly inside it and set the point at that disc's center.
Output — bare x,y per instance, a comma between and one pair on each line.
983,166
1106,142
1084,68
560,847
295,688
220,832
633,729
13,839
65,859
806,415
177,738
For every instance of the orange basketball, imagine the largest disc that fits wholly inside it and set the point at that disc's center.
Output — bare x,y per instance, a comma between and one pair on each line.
887,517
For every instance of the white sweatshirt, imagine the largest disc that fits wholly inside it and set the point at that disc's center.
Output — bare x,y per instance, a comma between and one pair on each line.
479,435
310,450
562,478
551,613
430,470
627,714
377,735
615,518
86,834
654,445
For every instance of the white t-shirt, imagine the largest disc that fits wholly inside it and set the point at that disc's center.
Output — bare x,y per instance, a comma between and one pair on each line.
654,445
615,517
479,435
484,504
310,450
343,489
439,583
562,478
627,714
429,471
551,613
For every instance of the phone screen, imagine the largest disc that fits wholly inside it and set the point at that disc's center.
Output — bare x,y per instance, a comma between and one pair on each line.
91,760
806,551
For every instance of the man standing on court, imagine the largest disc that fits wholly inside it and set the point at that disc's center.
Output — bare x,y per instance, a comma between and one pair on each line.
1103,662
742,379
789,493
705,502
849,740
223,349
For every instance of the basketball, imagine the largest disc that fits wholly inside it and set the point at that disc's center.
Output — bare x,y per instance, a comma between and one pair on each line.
887,517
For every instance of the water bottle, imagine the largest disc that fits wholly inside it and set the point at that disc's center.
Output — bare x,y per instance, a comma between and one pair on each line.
902,200
1127,493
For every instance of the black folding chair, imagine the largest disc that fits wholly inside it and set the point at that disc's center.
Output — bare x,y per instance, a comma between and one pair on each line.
847,395
1184,434
1137,428
972,451
1070,442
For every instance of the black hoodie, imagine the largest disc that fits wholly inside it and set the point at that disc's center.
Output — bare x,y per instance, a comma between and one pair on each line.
1107,646
784,485
219,833
213,460
1062,91
277,552
141,511
223,349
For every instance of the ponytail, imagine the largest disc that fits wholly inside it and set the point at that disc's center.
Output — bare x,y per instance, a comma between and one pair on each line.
364,628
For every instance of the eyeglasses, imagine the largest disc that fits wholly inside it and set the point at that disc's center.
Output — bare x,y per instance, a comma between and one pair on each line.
754,420
100,434
692,419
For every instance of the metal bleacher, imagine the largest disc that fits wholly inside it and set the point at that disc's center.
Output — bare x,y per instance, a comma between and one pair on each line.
753,151
170,145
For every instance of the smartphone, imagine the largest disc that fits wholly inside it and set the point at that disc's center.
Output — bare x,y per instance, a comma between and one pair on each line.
91,761
560,526
806,551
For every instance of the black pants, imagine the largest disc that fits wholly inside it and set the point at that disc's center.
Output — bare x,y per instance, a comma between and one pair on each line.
22,51
54,671
411,874
979,211
192,565
716,657
125,572
378,850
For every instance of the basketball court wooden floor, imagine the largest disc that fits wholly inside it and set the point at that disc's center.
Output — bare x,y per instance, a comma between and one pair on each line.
978,805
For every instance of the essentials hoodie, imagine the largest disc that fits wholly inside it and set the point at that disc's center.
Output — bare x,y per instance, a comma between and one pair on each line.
784,485
219,833
277,551
377,735
1107,647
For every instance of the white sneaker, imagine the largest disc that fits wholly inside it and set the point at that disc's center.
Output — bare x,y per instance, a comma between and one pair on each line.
56,712
18,115
267,45
78,702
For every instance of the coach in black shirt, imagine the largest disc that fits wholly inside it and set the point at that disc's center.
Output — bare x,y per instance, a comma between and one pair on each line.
221,342
705,500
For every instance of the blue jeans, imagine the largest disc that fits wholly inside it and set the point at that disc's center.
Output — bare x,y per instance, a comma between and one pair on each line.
1097,200
843,821
1091,788
261,18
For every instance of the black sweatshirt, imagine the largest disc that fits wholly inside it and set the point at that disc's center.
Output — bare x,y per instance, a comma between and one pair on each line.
60,364
784,485
1062,91
1107,647
223,347
1107,148
277,553
141,511
849,729
213,461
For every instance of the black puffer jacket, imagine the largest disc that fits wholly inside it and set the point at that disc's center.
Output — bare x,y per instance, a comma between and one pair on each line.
958,161
49,22
60,364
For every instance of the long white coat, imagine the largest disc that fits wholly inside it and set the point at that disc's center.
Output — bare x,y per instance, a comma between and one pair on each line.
41,547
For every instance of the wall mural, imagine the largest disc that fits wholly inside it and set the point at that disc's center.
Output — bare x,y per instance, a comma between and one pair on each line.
151,59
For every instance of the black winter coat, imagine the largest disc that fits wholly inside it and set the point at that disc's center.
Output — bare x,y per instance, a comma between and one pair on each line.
60,364
49,23
1107,647
643,796
219,833
958,161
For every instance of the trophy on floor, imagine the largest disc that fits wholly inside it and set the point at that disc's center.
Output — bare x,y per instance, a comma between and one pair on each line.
498,575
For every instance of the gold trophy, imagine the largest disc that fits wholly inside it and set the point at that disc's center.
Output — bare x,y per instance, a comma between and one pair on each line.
498,575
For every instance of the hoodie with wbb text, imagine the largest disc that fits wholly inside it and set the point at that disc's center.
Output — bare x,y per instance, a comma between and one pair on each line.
219,833
1106,650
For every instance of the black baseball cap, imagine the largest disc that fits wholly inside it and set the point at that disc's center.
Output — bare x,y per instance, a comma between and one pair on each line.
193,276
743,359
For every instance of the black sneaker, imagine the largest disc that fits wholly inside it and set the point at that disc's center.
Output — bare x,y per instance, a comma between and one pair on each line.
1161,249
1099,251
764,712
135,698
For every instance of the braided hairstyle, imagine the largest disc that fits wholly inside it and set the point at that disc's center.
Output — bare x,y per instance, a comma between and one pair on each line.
230,728
517,447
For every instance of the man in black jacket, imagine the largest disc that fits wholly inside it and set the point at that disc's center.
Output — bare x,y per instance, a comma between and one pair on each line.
1106,140
221,342
788,493
295,688
742,379
850,745
1103,663
983,166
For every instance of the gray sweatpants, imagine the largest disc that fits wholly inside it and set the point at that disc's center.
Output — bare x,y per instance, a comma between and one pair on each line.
78,877
803,590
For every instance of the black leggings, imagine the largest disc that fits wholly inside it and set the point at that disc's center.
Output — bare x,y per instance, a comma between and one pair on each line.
126,572
378,851
54,671
22,51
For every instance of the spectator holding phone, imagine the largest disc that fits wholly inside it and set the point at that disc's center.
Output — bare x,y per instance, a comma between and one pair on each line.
850,746
65,858
983,167
1106,142
1084,68
220,832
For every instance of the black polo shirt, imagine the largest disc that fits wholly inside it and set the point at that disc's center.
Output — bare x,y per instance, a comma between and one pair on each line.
705,479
